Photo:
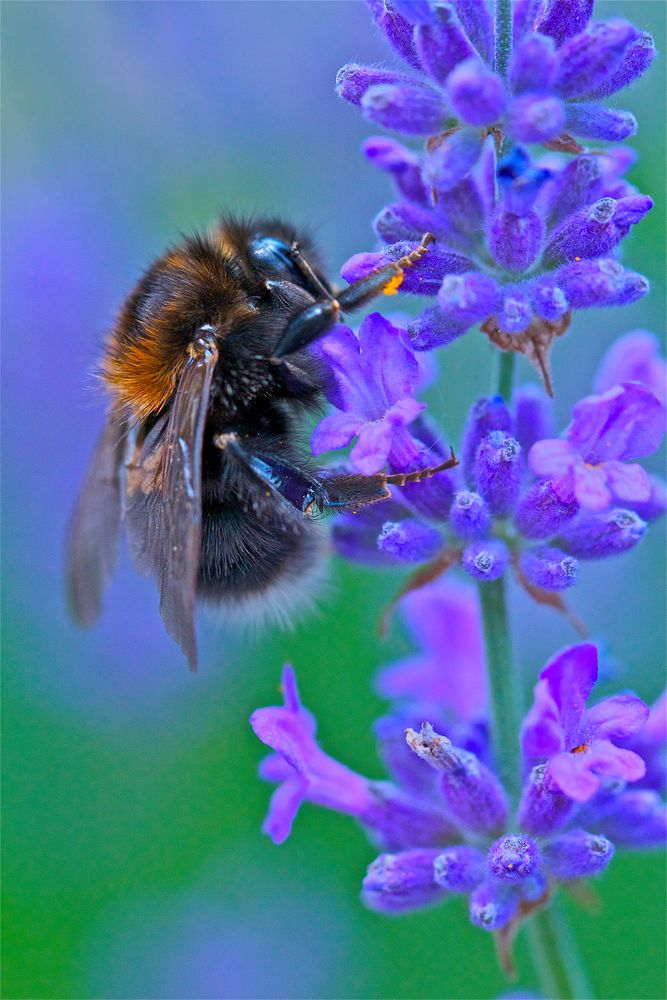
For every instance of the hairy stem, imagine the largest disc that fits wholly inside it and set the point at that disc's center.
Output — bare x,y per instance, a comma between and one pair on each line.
504,683
502,17
555,956
506,361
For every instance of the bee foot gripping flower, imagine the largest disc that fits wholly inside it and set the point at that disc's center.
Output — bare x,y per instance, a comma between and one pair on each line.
497,516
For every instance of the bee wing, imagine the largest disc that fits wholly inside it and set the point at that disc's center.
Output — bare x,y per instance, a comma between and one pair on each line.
92,545
164,500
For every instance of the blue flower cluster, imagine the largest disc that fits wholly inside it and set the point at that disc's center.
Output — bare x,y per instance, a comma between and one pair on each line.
591,777
522,498
519,243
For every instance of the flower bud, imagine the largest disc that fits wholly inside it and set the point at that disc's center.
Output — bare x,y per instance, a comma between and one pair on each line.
548,300
513,858
473,794
452,159
516,240
492,905
637,58
415,109
395,820
576,186
401,221
549,568
533,64
459,868
396,883
477,94
543,808
536,118
352,81
577,854
442,44
592,121
516,311
561,21
433,329
497,472
638,819
409,541
469,515
468,298
488,413
602,282
389,155
485,560
597,536
423,278
398,30
591,57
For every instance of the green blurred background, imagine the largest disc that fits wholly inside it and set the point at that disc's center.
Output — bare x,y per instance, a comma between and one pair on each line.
134,865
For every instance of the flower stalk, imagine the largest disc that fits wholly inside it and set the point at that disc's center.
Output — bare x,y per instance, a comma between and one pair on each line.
503,35
504,684
555,956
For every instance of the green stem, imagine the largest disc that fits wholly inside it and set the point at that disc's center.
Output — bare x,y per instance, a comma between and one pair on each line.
502,17
555,956
506,361
504,683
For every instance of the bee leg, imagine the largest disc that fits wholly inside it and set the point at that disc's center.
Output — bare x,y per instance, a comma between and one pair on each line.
317,319
350,492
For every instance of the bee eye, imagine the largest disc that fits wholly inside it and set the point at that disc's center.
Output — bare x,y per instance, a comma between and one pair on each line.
273,253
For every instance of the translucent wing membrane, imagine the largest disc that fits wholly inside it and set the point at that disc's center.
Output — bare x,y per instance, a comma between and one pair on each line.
164,499
92,546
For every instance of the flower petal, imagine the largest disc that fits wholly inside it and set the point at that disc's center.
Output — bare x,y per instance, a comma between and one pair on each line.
542,732
551,458
618,717
628,482
404,412
283,807
615,762
335,431
572,775
369,455
590,487
571,675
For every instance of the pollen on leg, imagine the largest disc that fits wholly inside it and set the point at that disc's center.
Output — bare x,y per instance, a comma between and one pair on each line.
393,284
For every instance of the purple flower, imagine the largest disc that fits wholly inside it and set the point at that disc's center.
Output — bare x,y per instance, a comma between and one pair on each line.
518,245
444,620
372,381
579,743
448,49
445,798
510,521
624,423
634,358
305,773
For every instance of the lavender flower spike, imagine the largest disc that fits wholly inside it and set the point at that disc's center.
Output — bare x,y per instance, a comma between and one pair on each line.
578,743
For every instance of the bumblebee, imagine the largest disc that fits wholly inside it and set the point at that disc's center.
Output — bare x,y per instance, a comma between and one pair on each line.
210,376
